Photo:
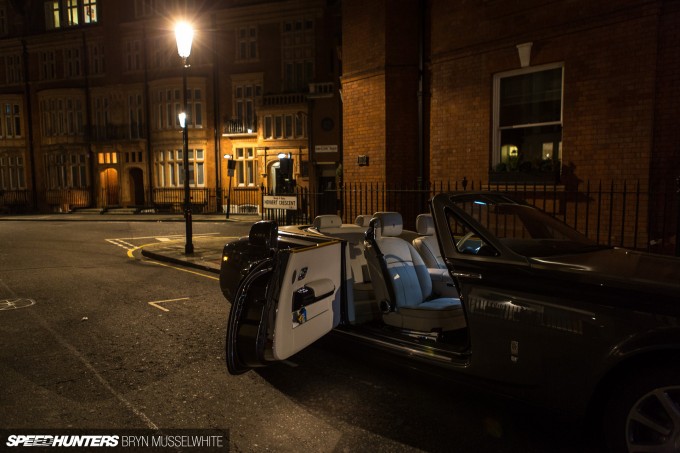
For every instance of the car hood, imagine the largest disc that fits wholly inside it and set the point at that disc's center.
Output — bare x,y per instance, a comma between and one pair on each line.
621,268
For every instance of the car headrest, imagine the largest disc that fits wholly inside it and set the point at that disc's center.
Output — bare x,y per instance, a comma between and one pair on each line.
363,220
391,223
327,221
425,225
264,234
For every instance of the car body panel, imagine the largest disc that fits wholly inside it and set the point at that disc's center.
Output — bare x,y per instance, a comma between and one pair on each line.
548,328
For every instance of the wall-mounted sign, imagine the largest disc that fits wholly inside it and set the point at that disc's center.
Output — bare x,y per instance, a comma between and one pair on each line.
326,148
280,202
362,161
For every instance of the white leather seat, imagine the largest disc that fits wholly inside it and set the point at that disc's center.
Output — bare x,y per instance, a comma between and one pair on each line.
402,281
427,245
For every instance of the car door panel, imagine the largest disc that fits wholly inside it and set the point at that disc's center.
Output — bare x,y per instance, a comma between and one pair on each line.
284,304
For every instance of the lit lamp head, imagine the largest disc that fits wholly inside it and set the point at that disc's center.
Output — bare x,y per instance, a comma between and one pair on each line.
182,119
184,34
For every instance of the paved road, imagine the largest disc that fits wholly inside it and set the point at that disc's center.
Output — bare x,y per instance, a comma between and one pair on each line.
96,336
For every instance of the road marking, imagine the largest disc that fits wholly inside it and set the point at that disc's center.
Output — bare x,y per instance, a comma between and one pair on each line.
120,243
155,303
13,304
130,254
156,237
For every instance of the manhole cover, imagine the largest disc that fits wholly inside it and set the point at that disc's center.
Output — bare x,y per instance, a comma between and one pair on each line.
13,304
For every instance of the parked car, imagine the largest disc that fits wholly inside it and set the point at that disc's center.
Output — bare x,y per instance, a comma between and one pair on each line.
490,288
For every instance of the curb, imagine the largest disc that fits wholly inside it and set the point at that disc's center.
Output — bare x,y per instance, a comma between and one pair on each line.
181,262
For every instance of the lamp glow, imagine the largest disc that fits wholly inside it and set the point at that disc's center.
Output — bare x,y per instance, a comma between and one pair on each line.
184,34
182,116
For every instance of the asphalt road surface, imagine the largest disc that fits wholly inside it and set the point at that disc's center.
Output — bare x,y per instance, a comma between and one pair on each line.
95,336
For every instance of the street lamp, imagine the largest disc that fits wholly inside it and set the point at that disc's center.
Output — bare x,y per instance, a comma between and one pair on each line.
184,35
231,166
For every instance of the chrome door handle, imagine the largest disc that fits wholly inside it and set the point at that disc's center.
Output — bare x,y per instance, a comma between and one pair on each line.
467,275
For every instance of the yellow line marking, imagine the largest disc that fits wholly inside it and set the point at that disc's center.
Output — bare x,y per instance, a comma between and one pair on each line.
155,304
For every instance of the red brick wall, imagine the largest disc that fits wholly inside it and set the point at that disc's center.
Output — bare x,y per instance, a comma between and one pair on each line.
609,57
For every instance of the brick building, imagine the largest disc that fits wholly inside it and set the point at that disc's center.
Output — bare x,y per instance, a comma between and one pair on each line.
91,91
531,92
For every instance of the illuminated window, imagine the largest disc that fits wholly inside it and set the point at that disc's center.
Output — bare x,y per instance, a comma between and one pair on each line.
169,168
246,166
528,122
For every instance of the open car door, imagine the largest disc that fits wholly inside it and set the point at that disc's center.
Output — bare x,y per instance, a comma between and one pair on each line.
283,304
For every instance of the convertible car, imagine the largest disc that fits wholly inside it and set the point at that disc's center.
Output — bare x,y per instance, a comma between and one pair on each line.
488,287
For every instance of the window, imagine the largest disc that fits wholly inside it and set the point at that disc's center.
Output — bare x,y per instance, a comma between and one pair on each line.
246,166
70,13
10,117
12,172
169,168
246,39
132,57
136,115
72,62
62,115
13,69
528,123
3,20
101,118
246,96
66,170
48,69
169,104
298,54
287,126
96,49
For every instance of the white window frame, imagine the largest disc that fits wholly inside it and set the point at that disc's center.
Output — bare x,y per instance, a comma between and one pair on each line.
496,137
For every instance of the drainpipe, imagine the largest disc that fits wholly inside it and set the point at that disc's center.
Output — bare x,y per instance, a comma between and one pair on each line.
216,126
421,101
29,123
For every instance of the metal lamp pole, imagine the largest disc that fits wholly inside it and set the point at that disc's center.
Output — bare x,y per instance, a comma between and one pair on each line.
184,35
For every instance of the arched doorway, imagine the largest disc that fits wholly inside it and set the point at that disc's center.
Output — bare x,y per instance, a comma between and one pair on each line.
136,182
110,189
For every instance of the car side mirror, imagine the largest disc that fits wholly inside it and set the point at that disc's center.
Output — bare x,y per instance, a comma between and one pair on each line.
264,234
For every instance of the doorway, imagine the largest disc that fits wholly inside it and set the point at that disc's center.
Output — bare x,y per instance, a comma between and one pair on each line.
110,189
136,184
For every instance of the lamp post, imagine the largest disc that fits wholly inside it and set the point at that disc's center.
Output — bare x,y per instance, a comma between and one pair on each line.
184,35
231,166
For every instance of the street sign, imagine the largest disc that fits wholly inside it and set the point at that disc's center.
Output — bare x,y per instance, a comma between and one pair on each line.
280,202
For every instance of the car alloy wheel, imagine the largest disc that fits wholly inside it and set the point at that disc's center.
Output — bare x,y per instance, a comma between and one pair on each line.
653,422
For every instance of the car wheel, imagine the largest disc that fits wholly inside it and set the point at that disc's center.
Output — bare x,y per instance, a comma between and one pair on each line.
643,414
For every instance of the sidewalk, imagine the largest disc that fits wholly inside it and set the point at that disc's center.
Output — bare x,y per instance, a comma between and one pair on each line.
207,254
207,249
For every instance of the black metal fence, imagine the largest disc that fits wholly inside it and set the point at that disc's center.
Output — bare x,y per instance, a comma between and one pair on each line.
618,213
615,213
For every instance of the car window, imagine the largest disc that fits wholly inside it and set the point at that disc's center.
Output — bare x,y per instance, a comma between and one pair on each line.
467,240
525,229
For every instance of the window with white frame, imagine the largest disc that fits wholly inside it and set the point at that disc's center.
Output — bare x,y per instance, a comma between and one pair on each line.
284,126
66,170
12,171
246,95
298,54
169,168
246,39
528,122
10,119
70,13
246,166
168,104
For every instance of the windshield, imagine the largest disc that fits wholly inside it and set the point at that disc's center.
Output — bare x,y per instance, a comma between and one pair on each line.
523,229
